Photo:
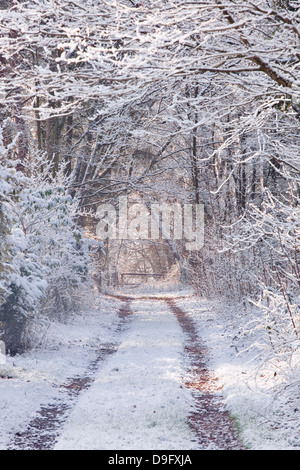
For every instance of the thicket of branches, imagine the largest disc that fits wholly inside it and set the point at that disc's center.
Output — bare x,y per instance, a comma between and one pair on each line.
169,101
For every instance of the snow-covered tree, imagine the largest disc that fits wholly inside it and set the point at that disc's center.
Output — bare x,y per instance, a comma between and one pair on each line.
162,101
44,255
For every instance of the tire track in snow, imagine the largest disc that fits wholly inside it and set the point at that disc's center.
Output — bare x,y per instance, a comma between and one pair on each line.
138,400
43,430
209,420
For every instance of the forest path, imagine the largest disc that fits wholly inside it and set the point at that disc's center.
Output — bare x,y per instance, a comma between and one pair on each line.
43,430
210,420
150,389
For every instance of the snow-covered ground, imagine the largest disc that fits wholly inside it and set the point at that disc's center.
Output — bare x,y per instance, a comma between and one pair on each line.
136,400
66,351
263,398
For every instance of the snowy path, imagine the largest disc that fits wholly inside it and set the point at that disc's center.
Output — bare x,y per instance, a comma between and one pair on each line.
137,400
149,389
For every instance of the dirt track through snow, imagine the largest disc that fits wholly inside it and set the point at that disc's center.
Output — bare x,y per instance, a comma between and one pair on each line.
43,431
151,385
210,420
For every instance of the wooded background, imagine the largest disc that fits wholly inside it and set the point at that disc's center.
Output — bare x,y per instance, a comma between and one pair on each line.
162,101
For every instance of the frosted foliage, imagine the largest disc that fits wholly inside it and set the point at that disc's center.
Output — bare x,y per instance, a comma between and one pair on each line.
164,102
44,249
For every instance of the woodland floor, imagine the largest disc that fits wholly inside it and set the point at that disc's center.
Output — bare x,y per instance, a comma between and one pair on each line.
148,371
172,401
